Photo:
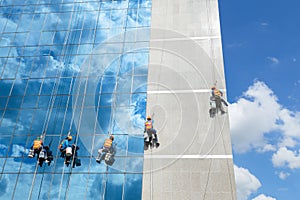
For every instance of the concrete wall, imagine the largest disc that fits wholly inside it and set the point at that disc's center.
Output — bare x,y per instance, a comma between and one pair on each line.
194,160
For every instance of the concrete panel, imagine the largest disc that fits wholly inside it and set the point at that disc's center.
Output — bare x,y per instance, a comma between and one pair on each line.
194,160
190,17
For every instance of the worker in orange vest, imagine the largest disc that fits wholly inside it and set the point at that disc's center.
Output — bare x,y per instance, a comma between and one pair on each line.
218,97
107,146
36,147
150,132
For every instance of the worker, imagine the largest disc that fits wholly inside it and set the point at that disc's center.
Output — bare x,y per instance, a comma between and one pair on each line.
36,147
150,132
65,143
107,147
218,98
150,137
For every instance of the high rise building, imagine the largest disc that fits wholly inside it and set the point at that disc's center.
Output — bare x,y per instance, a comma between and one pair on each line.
94,68
194,160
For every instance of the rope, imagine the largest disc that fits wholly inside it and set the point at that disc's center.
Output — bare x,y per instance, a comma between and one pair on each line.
94,135
72,118
76,138
208,176
27,141
43,172
97,110
105,183
41,182
52,100
79,123
152,115
47,119
46,123
35,171
69,132
40,188
33,181
112,116
113,109
110,125
66,59
61,133
64,50
43,136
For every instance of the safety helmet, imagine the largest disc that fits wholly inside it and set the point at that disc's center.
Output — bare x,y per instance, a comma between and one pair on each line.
38,138
70,137
111,137
148,117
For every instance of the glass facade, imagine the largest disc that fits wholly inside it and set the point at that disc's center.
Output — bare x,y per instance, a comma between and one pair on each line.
78,66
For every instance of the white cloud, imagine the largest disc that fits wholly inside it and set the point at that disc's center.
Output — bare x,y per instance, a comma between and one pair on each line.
9,124
17,150
256,116
283,175
286,158
287,142
252,116
266,148
246,183
274,60
263,197
291,123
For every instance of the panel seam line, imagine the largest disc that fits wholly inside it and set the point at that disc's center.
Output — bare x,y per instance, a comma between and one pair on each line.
189,156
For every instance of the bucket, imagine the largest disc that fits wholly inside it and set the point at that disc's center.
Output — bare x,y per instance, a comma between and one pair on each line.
42,154
69,151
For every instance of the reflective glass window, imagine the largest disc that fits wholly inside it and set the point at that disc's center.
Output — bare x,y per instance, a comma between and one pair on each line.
77,68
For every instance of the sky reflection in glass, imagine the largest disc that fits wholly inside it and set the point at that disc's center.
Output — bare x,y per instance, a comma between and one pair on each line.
70,65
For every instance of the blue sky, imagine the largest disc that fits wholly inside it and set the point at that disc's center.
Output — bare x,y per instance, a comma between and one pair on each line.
261,57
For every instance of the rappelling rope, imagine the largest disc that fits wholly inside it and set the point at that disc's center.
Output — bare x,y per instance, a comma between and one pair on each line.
78,128
67,38
46,123
42,136
97,111
216,119
76,137
114,99
40,189
33,180
152,115
61,135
